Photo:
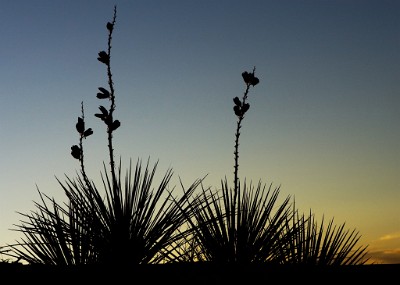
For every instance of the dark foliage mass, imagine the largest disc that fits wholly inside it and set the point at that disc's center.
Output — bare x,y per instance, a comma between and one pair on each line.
132,220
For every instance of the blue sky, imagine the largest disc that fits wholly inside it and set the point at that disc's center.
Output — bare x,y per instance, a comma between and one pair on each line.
322,125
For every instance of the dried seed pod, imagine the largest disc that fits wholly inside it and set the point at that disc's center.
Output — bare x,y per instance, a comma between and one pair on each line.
237,110
254,80
245,107
237,101
80,125
246,77
115,125
76,152
104,113
88,132
110,26
103,94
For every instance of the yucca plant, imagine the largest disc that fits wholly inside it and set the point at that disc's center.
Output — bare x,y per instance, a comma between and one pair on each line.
129,223
243,225
240,224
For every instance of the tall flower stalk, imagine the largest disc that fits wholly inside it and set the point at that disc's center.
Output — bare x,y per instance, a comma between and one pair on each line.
237,226
240,109
77,150
107,116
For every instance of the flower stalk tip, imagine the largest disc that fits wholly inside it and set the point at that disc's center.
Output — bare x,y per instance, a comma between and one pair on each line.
250,79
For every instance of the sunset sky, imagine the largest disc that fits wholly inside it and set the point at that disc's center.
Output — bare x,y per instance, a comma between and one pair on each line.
323,122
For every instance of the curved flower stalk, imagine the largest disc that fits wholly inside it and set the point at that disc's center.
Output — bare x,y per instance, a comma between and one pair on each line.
77,150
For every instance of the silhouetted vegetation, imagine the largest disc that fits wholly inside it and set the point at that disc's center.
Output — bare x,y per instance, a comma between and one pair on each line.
131,224
131,221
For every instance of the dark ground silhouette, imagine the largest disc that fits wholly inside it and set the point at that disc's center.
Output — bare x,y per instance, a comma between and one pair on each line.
201,273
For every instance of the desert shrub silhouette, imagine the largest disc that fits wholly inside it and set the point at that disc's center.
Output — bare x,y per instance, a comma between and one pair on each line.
129,223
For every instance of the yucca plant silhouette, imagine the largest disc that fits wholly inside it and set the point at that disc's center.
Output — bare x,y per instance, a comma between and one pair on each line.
131,224
244,225
239,225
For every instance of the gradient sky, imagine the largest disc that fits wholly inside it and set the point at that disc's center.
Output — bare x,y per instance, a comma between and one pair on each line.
323,122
